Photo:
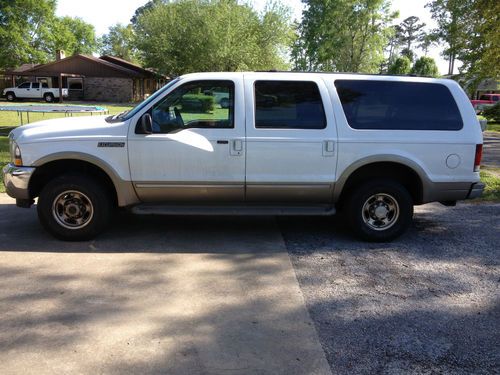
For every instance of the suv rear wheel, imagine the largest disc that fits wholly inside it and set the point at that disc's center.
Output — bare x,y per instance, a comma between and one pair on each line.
379,210
74,207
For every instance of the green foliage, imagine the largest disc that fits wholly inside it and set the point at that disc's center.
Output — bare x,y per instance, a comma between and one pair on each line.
120,42
480,47
25,31
401,66
491,178
31,33
73,35
410,31
425,67
409,54
345,35
4,158
492,113
210,35
198,103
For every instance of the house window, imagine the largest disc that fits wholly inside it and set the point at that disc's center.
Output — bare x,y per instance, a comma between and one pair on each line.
75,83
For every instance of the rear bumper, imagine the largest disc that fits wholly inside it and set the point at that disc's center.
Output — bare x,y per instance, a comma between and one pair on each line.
452,191
16,180
476,190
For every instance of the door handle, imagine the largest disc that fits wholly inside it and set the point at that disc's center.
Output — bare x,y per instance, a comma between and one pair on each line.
236,148
238,145
328,148
222,142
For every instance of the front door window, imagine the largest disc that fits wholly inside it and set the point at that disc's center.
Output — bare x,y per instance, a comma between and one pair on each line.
201,104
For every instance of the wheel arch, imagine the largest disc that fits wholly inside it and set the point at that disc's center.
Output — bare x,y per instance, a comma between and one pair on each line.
54,165
411,175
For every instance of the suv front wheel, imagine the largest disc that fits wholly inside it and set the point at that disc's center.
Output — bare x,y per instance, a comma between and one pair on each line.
379,210
74,207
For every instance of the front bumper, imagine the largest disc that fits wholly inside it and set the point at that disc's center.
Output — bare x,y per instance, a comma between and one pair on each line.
476,190
16,180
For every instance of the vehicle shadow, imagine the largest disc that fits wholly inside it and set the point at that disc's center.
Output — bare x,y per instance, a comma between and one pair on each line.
21,231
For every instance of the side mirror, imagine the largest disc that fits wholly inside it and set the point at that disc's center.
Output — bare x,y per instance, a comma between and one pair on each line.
145,125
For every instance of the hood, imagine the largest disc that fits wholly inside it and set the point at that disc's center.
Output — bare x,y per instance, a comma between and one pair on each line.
68,128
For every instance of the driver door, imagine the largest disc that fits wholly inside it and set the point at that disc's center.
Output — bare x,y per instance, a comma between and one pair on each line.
196,150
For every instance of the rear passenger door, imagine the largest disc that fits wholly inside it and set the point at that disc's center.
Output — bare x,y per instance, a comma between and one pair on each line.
291,139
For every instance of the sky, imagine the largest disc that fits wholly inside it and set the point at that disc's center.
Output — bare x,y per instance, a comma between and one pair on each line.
105,13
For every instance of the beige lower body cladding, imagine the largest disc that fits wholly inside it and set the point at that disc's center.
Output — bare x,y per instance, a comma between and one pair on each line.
107,89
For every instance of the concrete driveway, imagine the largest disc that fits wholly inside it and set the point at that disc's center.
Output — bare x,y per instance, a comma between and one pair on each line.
152,296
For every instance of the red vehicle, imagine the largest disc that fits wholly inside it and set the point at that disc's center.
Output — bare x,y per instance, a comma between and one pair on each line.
485,101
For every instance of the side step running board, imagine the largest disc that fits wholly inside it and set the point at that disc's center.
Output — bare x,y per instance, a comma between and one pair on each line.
157,209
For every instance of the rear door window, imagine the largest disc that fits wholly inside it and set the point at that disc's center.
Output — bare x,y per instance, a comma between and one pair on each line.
288,105
371,104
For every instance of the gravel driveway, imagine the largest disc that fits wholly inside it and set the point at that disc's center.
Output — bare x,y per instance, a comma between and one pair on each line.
428,303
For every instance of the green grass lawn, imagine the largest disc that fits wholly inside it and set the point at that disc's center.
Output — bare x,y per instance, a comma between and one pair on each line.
491,178
4,158
493,127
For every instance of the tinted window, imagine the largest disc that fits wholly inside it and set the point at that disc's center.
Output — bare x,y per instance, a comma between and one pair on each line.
200,104
398,105
25,85
288,105
35,85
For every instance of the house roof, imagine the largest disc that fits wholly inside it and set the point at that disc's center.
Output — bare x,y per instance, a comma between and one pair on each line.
88,66
130,65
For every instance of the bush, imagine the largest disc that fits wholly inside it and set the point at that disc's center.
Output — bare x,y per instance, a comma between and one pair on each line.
198,103
492,113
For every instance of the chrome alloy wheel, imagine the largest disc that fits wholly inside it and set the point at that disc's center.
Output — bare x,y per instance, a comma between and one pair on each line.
72,209
380,211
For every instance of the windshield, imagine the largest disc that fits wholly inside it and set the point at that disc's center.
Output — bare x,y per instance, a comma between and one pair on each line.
130,113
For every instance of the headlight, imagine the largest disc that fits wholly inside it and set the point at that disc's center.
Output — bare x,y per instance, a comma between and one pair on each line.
15,154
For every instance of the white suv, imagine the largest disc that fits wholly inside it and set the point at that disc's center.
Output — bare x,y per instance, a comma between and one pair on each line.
286,144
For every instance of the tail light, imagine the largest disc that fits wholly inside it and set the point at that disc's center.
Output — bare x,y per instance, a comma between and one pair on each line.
477,159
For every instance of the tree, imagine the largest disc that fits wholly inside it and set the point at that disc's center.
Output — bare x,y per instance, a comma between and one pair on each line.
120,42
450,16
427,42
346,35
73,35
480,48
401,66
203,35
411,31
25,31
425,67
143,9
31,33
408,53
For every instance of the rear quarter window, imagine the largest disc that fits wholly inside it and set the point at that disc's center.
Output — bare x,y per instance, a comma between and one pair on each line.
389,105
288,105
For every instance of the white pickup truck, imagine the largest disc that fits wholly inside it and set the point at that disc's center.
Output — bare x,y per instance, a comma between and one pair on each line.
370,147
33,90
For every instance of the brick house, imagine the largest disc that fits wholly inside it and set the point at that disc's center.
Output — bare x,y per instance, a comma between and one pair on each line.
105,78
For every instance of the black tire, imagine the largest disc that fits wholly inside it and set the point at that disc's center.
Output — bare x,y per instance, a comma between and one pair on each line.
89,198
224,103
10,96
49,98
394,217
